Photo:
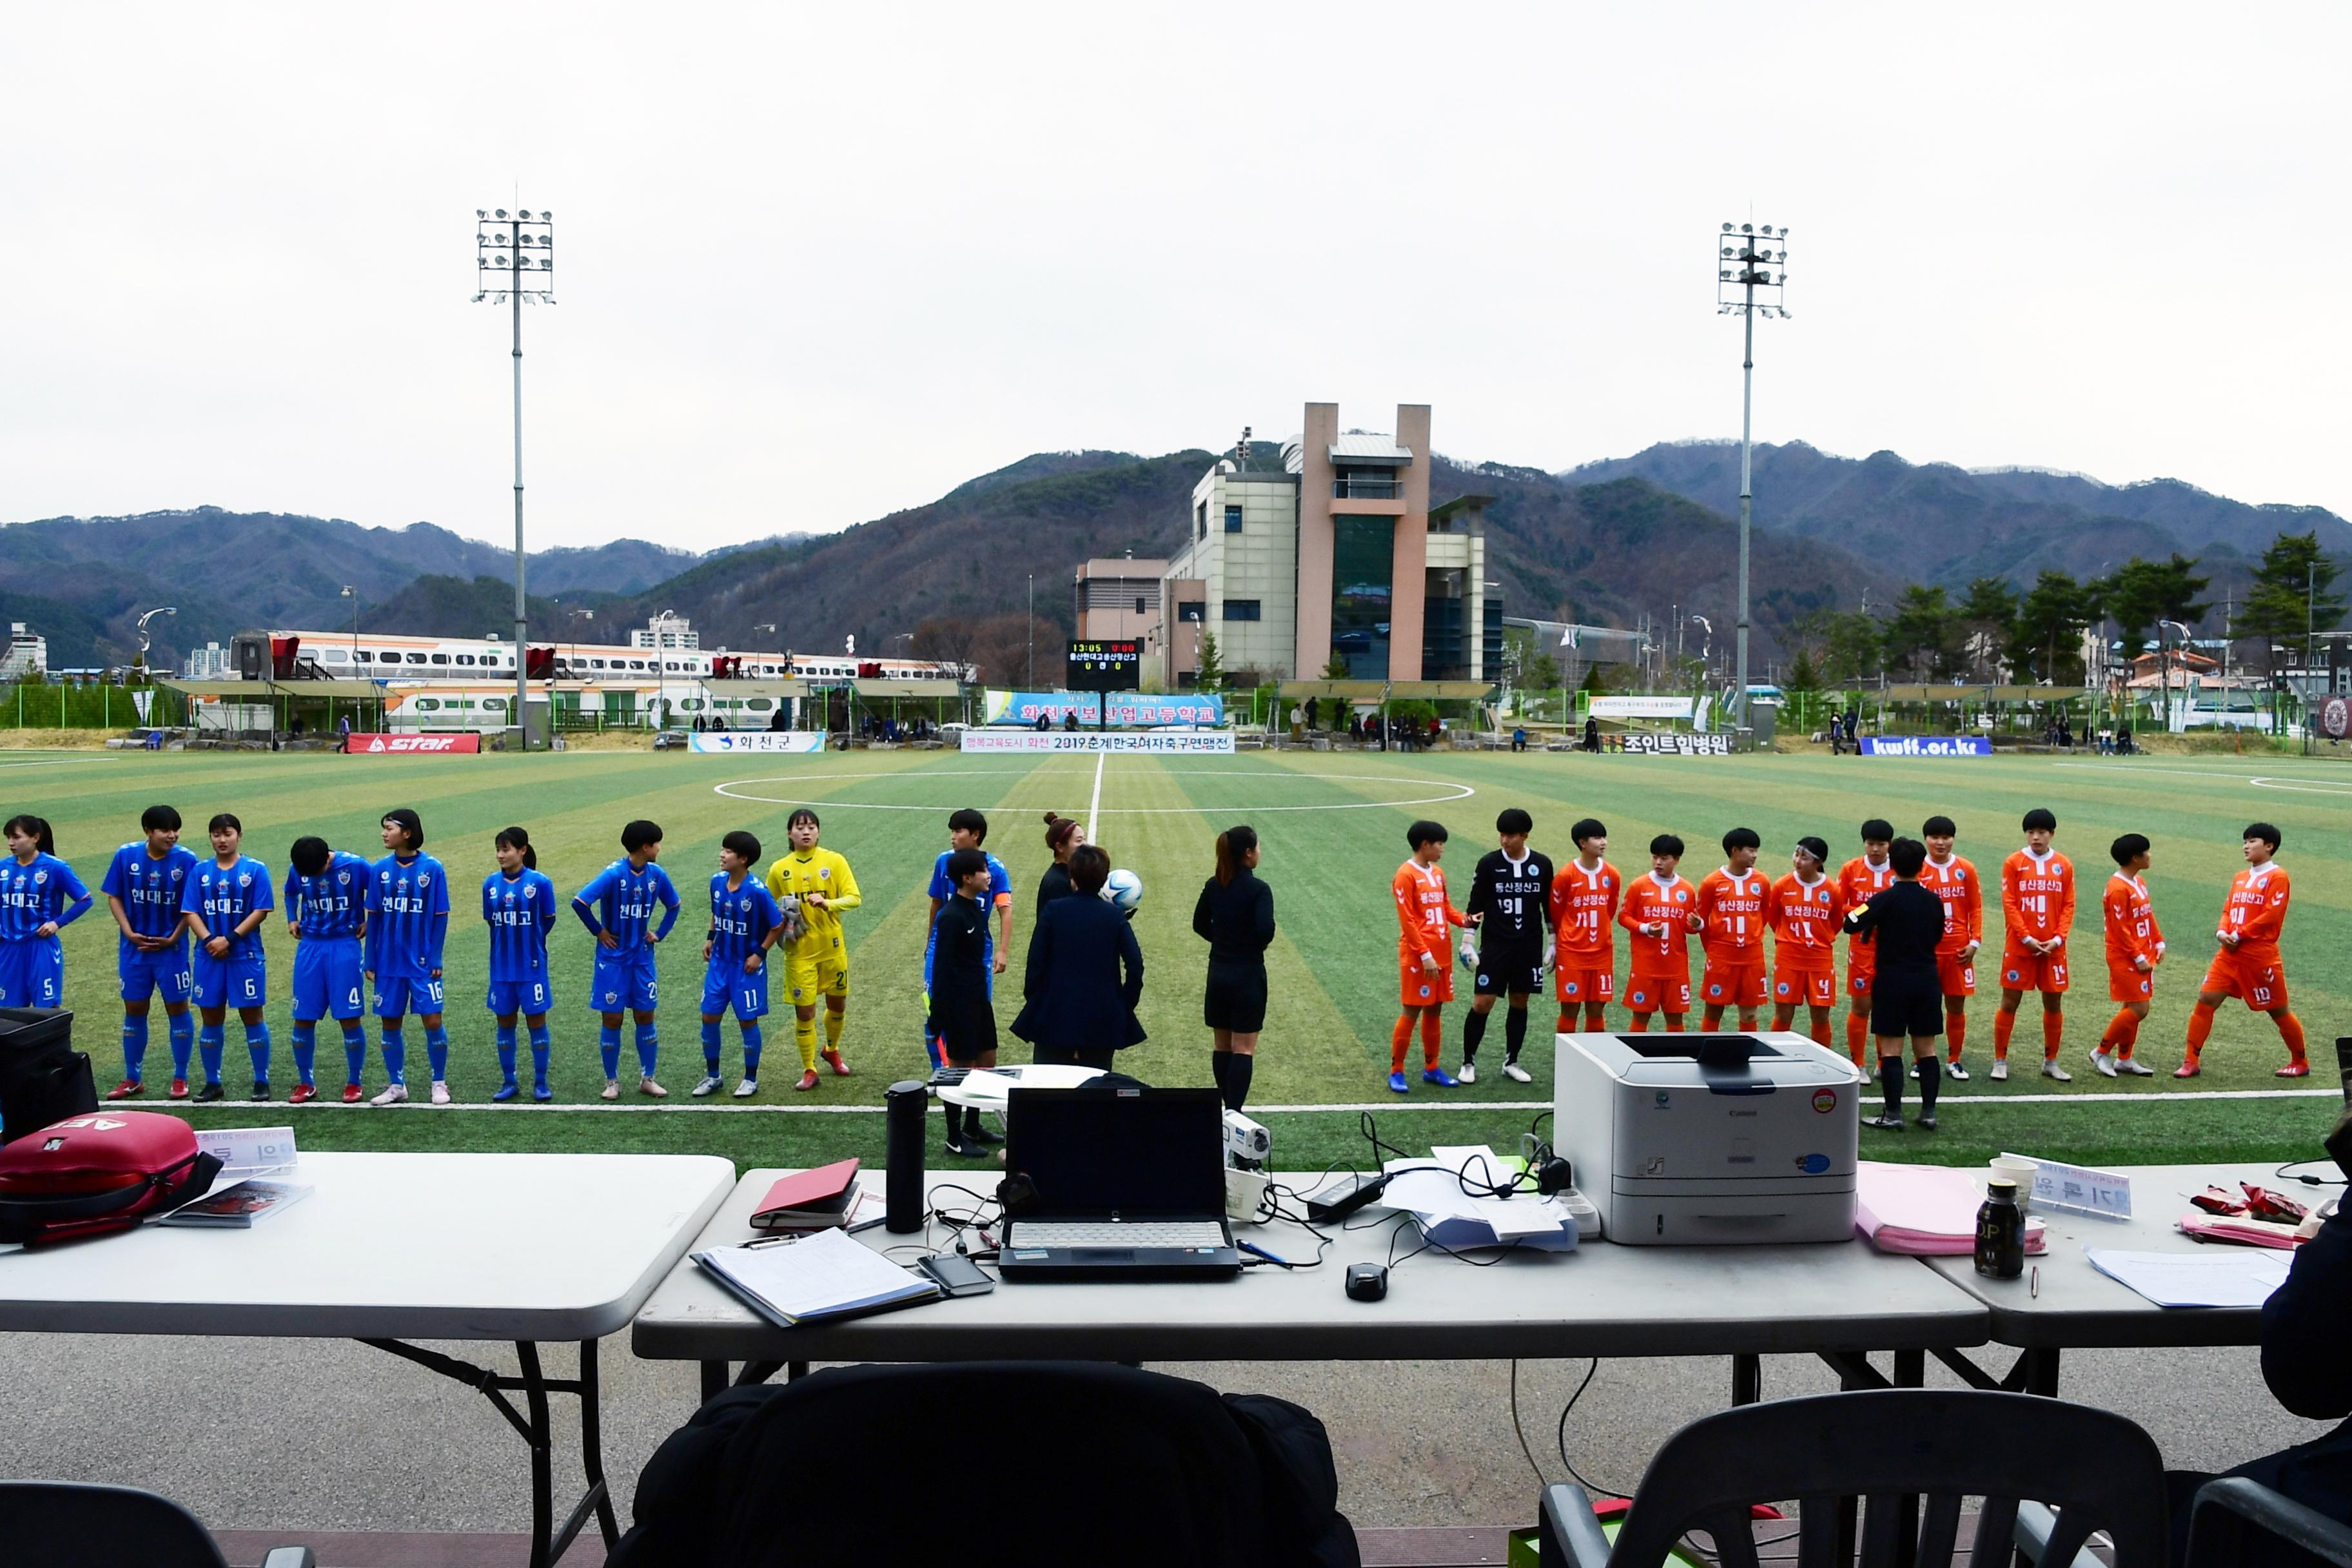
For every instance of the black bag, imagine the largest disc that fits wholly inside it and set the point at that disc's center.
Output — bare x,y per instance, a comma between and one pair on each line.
42,1077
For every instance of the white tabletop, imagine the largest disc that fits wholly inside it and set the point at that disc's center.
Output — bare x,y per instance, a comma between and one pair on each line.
445,1246
2073,1305
1599,1299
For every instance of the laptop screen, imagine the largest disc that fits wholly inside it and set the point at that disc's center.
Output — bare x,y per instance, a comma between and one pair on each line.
1137,1152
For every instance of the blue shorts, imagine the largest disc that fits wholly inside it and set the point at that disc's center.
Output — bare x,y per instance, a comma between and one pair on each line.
624,980
327,979
398,994
725,986
32,974
529,997
231,982
144,974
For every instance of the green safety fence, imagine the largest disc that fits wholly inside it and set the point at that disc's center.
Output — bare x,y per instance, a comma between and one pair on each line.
39,705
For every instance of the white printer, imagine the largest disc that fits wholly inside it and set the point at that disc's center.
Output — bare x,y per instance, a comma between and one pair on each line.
1696,1140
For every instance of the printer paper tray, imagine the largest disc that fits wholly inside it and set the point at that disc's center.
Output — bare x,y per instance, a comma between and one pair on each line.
1714,1212
1697,1187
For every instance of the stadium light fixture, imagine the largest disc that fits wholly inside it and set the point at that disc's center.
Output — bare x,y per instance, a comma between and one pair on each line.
1756,270
499,278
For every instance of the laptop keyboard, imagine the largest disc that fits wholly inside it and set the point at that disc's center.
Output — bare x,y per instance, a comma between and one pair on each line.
1129,1233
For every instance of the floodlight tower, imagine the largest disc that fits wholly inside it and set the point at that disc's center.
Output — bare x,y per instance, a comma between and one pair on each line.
514,263
1753,259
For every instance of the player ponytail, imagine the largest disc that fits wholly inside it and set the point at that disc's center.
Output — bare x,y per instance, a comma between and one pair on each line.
1059,831
516,839
1234,847
34,828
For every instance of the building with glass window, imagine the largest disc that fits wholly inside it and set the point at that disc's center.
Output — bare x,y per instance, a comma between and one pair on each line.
1329,547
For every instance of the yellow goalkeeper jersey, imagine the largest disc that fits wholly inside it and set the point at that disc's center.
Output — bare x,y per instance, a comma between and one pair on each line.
818,871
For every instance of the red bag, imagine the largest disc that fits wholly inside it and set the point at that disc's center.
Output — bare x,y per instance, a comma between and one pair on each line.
92,1175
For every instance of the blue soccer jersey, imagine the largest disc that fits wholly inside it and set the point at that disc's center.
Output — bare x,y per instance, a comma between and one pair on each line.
522,914
33,894
741,918
150,888
622,900
333,905
222,896
408,917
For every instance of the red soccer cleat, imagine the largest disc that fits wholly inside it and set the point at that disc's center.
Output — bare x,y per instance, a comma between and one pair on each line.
179,1088
840,1068
128,1088
2187,1069
808,1079
2294,1069
304,1093
351,1094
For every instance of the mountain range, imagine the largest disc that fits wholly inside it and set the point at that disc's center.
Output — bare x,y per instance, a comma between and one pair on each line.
1606,542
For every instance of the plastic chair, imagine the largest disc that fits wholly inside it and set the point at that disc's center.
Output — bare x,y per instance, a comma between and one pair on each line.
2082,1469
72,1524
2235,1521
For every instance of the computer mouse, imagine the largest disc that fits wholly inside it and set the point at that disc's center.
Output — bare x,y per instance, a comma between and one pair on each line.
1366,1281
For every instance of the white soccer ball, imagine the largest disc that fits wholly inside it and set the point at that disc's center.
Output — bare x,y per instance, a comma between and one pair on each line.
1124,890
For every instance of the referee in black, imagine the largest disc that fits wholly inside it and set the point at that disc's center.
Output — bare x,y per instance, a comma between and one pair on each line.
1511,889
1905,921
1235,915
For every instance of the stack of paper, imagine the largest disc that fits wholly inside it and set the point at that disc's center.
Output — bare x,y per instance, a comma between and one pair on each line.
1925,1210
2194,1278
813,1278
1431,1190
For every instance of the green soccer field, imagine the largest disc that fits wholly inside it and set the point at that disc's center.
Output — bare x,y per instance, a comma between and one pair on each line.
1332,826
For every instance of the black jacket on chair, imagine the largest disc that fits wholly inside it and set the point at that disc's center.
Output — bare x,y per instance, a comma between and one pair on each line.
1075,997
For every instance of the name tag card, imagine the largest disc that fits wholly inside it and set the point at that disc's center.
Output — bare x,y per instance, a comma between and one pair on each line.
247,1151
2078,1189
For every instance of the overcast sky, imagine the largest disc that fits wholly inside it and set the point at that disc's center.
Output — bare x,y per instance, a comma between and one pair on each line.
817,263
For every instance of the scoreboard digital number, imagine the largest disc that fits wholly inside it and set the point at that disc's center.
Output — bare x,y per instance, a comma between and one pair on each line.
1100,666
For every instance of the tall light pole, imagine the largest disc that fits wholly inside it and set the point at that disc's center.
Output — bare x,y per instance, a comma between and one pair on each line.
141,629
2164,666
1033,632
1751,259
514,261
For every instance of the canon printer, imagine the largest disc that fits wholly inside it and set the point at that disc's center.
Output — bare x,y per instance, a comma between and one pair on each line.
1698,1139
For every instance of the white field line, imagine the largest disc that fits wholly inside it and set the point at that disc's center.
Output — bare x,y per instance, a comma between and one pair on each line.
1094,806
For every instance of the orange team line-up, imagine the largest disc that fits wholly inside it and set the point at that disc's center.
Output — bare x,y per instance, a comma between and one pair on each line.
1511,940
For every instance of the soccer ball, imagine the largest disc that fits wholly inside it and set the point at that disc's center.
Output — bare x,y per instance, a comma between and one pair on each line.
1124,890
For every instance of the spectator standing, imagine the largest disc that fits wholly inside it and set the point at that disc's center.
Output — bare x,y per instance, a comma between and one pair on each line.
1084,974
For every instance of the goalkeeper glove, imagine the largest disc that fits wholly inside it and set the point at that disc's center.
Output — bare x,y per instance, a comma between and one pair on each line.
1551,953
1469,955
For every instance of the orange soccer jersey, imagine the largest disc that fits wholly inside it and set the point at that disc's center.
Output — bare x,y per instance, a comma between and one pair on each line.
1856,880
1954,882
2037,902
1584,916
1732,905
2134,939
2256,910
1661,967
1423,915
1805,920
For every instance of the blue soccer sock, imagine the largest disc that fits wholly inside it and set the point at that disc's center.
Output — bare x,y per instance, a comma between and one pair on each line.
395,1056
180,1027
135,1047
354,1052
437,1051
608,1043
209,1040
257,1048
711,1046
507,1051
539,1047
306,1049
648,1047
751,1044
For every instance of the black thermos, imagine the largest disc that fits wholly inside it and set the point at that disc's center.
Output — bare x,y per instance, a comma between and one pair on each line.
905,1104
2000,1232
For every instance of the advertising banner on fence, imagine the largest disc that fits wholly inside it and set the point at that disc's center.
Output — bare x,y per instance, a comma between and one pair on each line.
368,744
1641,707
757,740
1679,745
1927,746
1165,743
1126,708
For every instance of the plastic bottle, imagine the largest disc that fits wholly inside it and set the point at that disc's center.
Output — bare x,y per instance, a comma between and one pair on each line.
2000,1232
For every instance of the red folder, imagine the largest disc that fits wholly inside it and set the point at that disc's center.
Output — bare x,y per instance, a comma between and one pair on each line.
808,1199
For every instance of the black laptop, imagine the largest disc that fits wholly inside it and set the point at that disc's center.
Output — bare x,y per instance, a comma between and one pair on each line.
1120,1184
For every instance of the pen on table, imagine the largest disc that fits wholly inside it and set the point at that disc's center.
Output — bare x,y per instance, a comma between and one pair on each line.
1252,1246
2033,1286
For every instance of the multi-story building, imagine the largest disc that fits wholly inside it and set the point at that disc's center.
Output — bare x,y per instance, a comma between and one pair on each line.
27,654
667,631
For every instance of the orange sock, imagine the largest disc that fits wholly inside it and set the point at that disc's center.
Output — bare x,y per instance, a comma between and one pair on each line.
2291,1030
1956,1030
1674,1023
2003,1022
1640,1025
1821,1037
1400,1037
2200,1027
2122,1034
1857,1038
1596,1016
1566,1025
1433,1038
2054,1031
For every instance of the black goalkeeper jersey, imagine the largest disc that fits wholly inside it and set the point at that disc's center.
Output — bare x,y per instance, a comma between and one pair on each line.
1516,900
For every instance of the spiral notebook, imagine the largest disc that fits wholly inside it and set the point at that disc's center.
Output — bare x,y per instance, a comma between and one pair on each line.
815,1278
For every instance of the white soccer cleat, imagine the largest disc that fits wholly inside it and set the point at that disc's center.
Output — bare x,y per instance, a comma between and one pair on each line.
2135,1067
1516,1073
2051,1070
1469,1073
440,1092
2000,1071
710,1085
394,1094
1960,1071
2104,1063
612,1089
747,1089
647,1087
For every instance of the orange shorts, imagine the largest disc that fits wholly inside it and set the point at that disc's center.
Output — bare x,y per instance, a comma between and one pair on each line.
2255,979
1859,972
1422,987
1576,983
1955,975
1804,987
1658,993
1733,984
2125,984
2023,971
